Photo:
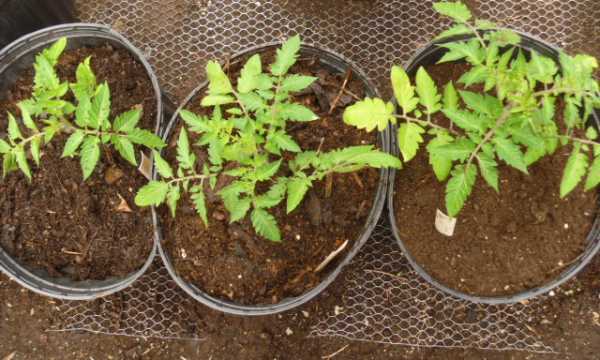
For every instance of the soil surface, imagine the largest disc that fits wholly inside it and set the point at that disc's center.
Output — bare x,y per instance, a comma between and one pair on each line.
229,260
68,227
504,243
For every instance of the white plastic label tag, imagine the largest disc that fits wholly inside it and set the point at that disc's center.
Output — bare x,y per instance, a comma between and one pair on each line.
444,223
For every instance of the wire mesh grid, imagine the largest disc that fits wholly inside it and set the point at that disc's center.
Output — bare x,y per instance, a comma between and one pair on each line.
154,307
385,301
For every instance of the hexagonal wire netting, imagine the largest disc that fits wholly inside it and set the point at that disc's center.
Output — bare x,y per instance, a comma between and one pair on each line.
179,36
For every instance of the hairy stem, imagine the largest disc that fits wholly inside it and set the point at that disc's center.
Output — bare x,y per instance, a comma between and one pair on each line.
426,122
488,136
191,177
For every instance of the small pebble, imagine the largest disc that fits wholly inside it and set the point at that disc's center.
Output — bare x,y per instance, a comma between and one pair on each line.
289,332
337,310
566,226
305,314
183,253
551,293
298,237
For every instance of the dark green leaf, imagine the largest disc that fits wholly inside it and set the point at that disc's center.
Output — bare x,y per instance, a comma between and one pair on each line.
574,171
286,56
90,154
73,143
125,148
127,121
510,153
459,188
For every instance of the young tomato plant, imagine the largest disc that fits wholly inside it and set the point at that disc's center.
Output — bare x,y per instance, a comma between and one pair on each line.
87,121
512,118
247,141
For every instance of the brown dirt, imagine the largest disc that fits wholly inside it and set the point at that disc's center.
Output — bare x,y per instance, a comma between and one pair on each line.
47,223
504,243
232,262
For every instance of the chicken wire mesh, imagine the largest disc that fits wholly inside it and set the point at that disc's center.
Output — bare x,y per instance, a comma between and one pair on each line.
385,301
155,307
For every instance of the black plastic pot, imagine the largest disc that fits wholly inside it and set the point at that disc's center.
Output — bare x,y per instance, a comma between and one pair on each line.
337,64
429,55
19,56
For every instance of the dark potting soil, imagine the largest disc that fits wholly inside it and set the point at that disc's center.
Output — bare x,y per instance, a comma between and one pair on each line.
503,243
230,261
61,224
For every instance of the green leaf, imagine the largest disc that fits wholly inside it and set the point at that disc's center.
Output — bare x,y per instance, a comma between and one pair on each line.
185,157
471,50
441,164
266,171
162,166
125,148
86,80
489,170
460,149
296,190
272,197
252,101
450,97
510,153
503,37
591,133
593,178
214,100
286,56
127,121
82,112
195,123
476,75
459,188
457,29
218,82
53,52
403,90
574,171
9,164
457,11
173,197
146,138
296,112
22,163
541,68
100,110
90,154
369,114
45,77
377,159
428,93
4,147
265,225
26,117
296,82
248,80
238,208
485,24
199,201
409,138
466,120
285,142
14,133
73,143
482,103
152,194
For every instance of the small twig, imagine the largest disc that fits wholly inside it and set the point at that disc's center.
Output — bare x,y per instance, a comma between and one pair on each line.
346,91
358,180
330,356
70,252
320,145
329,185
397,277
339,95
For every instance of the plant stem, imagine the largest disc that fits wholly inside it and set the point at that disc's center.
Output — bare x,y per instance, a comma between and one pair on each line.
426,122
488,136
476,33
191,177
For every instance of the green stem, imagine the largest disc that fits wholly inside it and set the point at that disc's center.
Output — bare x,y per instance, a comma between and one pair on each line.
191,177
426,122
488,136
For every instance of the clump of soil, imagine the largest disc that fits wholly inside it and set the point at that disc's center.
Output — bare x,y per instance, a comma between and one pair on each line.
61,224
229,260
503,243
